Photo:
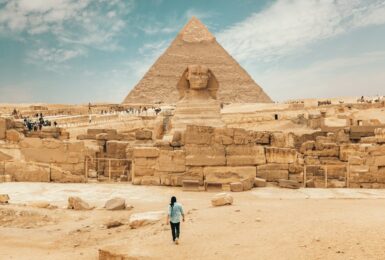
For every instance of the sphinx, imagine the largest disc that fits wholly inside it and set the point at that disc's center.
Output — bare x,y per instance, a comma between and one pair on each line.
197,103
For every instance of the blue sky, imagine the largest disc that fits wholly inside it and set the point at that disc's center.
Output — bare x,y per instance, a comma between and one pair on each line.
76,51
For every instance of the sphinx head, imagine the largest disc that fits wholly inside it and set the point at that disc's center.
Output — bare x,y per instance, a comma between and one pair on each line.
198,76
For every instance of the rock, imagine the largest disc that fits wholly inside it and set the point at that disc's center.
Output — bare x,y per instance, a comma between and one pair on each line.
115,204
259,182
236,186
40,204
4,198
92,173
222,199
113,223
288,184
77,203
143,134
146,218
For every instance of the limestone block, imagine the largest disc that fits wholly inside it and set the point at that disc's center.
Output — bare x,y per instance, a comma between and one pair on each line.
145,218
116,149
13,136
224,136
273,172
336,171
295,168
77,203
146,152
92,132
280,155
222,199
347,150
330,160
31,143
334,183
308,145
3,128
4,157
139,171
228,174
259,182
288,184
51,143
27,172
143,134
242,136
379,160
60,175
325,153
136,180
202,155
203,135
262,137
4,198
150,180
236,186
248,183
177,139
312,160
249,154
278,139
356,160
115,204
171,161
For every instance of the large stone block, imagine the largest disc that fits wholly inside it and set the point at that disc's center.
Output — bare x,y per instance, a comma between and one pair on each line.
117,149
171,161
224,136
199,135
146,152
27,172
150,180
13,136
238,155
202,155
228,174
3,128
280,155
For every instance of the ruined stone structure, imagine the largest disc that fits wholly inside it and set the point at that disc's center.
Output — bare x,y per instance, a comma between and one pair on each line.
195,45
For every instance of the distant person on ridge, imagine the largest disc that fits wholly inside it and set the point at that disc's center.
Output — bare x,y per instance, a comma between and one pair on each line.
175,210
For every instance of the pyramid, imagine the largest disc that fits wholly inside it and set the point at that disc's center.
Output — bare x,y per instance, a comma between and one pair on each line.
196,45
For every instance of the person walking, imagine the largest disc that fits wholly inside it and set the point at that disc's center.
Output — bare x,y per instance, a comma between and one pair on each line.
175,210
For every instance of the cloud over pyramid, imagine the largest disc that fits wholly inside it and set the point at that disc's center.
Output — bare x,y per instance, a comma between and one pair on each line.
196,45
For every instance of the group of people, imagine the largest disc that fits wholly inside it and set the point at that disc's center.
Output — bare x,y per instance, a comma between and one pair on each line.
38,123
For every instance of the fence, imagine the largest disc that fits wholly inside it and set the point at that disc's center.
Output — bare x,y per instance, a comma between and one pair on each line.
325,167
96,163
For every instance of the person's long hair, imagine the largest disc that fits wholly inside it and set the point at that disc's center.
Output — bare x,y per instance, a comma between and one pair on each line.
173,200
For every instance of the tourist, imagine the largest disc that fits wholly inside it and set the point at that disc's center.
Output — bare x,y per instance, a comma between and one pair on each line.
175,210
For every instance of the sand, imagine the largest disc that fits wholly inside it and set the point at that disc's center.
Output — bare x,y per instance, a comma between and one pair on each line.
265,223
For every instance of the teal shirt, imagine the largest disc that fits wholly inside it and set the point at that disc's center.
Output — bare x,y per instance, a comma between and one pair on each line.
175,212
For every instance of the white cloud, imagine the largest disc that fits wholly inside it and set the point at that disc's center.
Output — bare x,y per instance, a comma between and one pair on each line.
357,75
287,26
88,23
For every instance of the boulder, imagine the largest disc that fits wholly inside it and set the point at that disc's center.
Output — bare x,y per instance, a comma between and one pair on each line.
145,218
115,204
222,199
4,198
77,203
288,184
40,204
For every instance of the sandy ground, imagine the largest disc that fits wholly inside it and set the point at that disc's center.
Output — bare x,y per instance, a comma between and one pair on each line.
265,223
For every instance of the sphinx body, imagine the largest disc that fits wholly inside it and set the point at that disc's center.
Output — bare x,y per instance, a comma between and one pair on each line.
197,105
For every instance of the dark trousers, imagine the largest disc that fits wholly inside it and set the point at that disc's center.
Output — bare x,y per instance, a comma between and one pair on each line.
175,230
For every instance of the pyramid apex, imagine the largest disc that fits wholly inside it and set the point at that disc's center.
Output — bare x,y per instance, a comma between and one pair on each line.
195,31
